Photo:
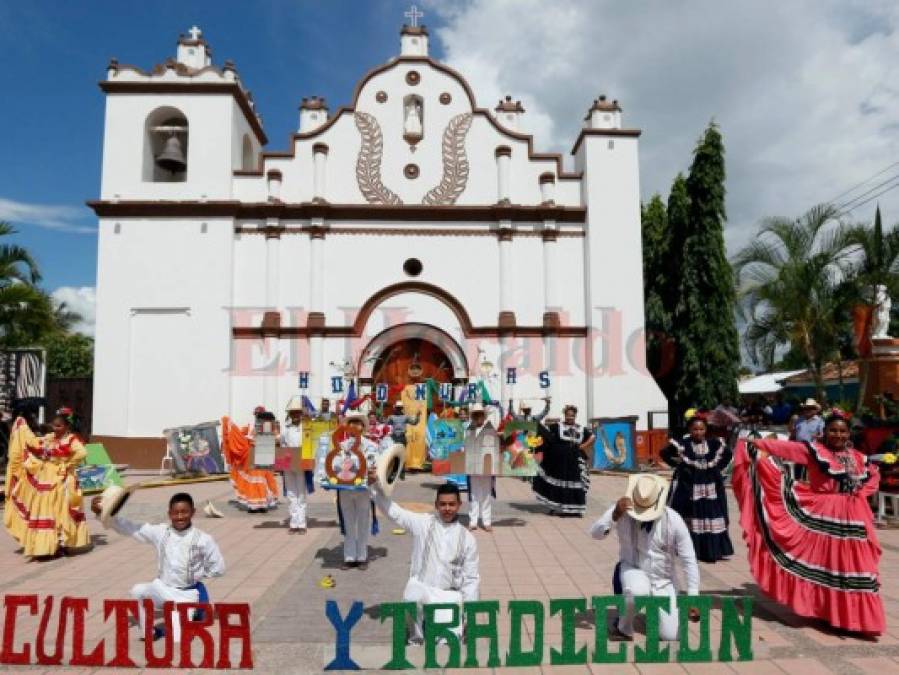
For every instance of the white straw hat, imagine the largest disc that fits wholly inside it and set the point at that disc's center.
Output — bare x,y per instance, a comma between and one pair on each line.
648,493
111,502
390,466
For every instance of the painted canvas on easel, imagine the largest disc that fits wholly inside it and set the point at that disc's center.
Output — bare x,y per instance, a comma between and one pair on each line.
615,446
196,449
445,436
521,444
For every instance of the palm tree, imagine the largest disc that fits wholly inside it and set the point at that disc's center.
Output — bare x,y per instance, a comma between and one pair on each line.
64,319
25,311
16,263
795,282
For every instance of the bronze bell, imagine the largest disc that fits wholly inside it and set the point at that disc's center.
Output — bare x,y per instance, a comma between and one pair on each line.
172,156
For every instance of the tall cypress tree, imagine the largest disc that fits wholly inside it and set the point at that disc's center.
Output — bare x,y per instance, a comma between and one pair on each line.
678,228
678,224
704,327
656,257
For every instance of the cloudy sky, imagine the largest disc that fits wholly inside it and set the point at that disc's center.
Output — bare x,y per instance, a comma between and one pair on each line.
805,92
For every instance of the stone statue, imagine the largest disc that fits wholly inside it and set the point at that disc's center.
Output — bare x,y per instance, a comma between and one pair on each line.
412,128
882,305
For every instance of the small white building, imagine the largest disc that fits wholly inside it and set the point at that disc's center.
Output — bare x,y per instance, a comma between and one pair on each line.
410,225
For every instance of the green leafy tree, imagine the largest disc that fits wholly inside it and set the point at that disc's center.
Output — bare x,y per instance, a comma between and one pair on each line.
797,287
656,264
708,345
69,354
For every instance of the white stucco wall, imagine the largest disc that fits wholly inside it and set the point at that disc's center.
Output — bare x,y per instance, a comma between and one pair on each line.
344,141
162,341
620,385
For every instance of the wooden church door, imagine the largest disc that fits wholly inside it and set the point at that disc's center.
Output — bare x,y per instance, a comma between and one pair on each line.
394,367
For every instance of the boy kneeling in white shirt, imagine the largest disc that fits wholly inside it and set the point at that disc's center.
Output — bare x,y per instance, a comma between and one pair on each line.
651,539
185,557
444,565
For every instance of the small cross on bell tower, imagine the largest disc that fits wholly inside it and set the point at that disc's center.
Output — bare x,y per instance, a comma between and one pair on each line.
413,15
413,37
193,51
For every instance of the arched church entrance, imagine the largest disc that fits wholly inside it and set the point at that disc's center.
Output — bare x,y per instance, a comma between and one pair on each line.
412,354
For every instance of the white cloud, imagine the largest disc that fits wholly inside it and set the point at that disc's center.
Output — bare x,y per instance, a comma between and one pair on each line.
82,300
805,92
64,218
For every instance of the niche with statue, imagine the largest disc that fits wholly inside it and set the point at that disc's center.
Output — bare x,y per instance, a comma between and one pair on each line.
413,119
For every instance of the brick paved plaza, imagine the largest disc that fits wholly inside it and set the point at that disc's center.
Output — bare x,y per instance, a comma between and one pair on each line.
528,556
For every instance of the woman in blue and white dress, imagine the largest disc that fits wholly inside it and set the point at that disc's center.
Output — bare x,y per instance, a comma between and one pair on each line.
697,491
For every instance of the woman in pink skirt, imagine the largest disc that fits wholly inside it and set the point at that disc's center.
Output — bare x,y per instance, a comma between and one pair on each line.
812,546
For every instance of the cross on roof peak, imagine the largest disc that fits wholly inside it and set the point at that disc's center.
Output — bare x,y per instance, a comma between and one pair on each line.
414,14
195,33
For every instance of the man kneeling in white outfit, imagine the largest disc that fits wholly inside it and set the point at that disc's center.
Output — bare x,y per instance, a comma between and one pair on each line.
444,564
650,537
185,556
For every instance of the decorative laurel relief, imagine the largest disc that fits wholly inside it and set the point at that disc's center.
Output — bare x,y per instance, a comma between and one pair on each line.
368,164
455,163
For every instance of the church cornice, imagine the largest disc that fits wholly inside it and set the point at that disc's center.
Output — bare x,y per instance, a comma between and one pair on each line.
607,133
332,212
357,91
318,232
151,87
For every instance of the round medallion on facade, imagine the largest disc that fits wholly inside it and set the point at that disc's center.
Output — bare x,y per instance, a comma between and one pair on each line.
411,171
413,267
381,97
413,78
445,98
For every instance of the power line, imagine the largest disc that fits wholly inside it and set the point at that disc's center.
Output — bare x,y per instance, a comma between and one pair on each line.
874,196
858,185
842,207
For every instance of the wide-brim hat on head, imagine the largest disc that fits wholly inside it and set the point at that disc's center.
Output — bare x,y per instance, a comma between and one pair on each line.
390,467
111,502
294,404
810,403
475,408
648,494
398,404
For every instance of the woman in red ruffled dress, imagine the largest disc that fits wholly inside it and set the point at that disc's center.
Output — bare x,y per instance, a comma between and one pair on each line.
812,546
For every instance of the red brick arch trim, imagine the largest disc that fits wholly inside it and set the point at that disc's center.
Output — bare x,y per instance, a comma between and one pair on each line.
422,287
507,328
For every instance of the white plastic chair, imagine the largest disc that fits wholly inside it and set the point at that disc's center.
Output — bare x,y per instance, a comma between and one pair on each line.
167,458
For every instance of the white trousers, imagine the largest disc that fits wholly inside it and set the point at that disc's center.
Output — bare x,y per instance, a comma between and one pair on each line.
422,594
481,504
356,508
295,490
635,582
159,593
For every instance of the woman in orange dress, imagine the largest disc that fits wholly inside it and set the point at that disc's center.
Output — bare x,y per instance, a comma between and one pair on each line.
255,489
813,546
43,499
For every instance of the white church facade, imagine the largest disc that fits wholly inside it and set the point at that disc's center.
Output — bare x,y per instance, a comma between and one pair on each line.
409,227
